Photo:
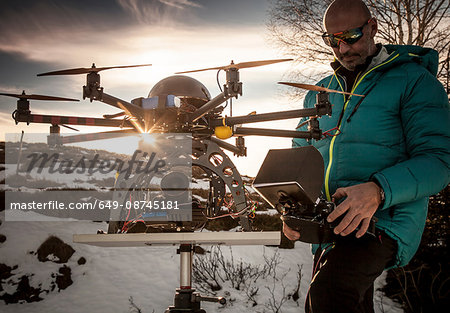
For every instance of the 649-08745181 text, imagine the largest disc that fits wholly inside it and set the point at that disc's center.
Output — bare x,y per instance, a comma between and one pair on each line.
140,205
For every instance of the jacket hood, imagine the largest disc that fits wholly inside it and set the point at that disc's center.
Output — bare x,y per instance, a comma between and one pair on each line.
426,57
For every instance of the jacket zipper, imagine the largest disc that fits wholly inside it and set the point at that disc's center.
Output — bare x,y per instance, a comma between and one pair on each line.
331,149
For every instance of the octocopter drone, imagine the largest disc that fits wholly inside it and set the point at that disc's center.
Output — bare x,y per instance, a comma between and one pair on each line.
181,104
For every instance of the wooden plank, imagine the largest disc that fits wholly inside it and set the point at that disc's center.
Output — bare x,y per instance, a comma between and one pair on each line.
198,238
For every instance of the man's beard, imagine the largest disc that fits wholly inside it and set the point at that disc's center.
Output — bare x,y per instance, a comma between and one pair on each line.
353,62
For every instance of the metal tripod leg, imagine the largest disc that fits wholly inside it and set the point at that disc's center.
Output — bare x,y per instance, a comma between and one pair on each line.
186,299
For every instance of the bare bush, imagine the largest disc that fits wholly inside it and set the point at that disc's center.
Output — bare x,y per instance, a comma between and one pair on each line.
424,284
212,271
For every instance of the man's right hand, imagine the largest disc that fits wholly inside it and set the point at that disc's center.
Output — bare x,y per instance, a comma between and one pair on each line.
290,233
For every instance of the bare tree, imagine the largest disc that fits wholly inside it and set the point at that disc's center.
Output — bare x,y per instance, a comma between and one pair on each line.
295,26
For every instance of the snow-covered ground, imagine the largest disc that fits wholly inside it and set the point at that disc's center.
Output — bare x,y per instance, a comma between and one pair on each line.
149,275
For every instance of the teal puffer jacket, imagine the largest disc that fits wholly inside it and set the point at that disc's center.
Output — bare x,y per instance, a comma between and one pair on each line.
398,134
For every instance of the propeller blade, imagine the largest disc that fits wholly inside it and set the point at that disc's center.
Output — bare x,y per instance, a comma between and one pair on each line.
70,127
96,136
85,70
258,63
201,70
239,65
318,88
108,116
37,97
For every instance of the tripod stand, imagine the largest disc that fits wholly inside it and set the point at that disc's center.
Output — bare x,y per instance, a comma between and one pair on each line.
186,299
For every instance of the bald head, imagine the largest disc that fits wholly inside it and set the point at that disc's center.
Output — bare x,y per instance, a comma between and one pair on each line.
346,15
339,11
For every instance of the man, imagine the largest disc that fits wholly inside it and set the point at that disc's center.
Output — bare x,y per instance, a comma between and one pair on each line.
384,154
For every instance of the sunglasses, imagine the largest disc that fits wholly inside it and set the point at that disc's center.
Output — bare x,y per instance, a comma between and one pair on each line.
349,36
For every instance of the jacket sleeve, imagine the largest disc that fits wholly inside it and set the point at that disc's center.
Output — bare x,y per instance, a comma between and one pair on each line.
425,117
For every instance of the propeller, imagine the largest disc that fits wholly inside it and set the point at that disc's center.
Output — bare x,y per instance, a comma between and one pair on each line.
70,127
239,65
85,70
108,116
318,88
36,97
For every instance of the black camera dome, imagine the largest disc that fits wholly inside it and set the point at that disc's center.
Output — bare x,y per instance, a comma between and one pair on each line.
186,88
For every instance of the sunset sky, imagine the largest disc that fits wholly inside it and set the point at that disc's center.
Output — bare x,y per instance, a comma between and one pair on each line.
173,35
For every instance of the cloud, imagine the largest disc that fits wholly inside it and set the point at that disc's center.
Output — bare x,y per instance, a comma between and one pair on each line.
26,18
160,12
181,4
82,20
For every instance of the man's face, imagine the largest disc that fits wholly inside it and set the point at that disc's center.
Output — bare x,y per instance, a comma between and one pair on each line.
352,55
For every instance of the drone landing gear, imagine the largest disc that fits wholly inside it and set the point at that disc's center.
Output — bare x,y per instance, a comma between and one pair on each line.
186,299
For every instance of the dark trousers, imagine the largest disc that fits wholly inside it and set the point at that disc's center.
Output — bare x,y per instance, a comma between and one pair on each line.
344,276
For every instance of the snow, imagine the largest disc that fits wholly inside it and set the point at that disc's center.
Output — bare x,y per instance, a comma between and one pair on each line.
147,274
200,184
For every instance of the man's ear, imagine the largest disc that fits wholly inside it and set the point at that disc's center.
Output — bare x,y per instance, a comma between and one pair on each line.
373,26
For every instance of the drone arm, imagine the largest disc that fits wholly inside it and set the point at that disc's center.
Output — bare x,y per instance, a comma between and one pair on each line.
129,108
70,120
228,146
264,117
133,109
277,133
208,106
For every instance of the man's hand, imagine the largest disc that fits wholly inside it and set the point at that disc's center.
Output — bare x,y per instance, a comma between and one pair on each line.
290,233
360,205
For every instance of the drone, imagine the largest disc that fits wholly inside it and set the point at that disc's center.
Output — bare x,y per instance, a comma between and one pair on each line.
181,104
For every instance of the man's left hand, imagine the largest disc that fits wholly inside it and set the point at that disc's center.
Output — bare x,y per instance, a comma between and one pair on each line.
360,205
